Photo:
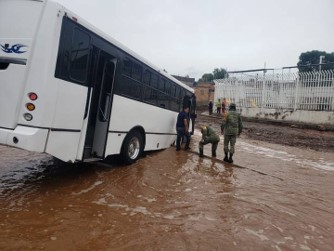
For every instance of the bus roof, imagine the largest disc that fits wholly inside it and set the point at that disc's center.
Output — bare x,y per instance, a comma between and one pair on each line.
118,44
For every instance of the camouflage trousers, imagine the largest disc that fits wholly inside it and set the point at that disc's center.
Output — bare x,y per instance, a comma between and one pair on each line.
213,147
229,140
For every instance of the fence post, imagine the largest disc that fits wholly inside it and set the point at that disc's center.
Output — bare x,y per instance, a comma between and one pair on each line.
296,92
332,77
263,90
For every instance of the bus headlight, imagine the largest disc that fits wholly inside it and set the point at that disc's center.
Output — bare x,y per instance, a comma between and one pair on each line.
30,106
27,116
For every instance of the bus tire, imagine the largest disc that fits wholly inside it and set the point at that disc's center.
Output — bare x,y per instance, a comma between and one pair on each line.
132,147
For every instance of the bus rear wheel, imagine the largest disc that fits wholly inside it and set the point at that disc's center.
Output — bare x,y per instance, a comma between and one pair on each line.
132,147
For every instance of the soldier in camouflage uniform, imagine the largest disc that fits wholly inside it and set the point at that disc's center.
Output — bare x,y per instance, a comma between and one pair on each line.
208,136
231,127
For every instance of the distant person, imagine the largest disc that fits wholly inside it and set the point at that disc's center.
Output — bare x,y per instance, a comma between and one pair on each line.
210,105
182,128
219,106
193,114
223,105
208,136
231,128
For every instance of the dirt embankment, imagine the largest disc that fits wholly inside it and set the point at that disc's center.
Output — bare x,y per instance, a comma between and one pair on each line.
292,135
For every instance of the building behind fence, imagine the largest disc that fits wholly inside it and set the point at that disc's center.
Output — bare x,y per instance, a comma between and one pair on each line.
303,97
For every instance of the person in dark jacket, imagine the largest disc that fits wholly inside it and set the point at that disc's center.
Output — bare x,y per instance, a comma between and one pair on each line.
210,106
208,136
182,128
193,114
231,128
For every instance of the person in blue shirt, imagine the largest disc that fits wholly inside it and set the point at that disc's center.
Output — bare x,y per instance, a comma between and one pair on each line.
182,128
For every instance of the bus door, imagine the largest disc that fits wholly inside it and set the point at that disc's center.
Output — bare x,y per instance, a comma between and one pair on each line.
100,108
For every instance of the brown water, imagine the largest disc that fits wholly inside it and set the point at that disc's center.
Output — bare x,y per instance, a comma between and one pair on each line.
274,198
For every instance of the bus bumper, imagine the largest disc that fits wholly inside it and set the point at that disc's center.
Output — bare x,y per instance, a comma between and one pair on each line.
28,138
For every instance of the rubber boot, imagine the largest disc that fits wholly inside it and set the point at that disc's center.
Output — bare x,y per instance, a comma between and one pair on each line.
230,160
226,158
214,149
201,152
214,154
187,146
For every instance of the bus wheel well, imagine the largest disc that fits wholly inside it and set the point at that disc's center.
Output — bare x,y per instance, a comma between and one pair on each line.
133,146
142,132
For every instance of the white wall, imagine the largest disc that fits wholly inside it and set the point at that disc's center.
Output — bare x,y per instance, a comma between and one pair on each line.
288,115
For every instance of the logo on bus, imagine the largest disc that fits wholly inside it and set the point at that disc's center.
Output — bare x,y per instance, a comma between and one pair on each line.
15,48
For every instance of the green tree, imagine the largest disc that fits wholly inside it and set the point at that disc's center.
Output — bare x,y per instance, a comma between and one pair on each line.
219,73
308,61
207,77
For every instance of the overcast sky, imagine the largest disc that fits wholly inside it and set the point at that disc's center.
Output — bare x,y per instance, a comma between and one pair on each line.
192,37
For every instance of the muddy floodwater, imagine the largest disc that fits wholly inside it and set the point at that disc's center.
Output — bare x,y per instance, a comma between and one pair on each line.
275,197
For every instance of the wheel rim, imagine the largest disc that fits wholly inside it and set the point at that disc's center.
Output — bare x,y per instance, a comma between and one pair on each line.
134,148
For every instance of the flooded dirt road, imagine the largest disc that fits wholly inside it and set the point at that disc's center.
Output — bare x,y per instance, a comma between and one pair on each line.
275,197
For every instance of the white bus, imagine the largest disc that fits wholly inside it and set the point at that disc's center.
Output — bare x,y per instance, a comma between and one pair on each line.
69,90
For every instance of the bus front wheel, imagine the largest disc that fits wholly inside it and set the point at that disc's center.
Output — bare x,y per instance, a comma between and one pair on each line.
132,147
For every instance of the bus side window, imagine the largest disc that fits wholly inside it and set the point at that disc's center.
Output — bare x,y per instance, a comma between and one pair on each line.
127,67
129,86
79,56
173,90
180,98
147,77
186,99
174,101
136,71
154,81
162,84
177,92
168,87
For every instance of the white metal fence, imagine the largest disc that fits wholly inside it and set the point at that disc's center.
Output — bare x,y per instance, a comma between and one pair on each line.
311,91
